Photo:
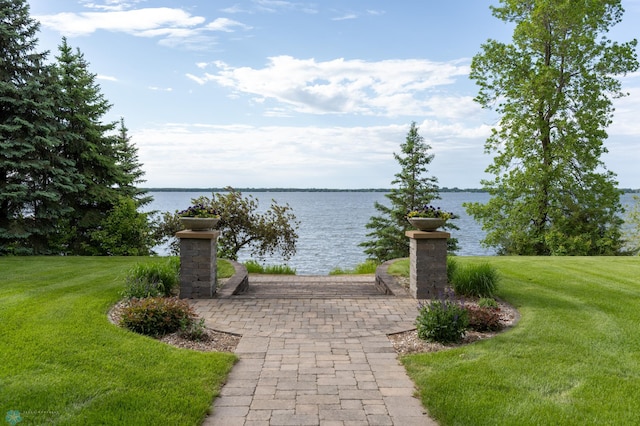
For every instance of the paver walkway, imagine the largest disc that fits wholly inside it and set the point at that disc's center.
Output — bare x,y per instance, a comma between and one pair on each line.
314,351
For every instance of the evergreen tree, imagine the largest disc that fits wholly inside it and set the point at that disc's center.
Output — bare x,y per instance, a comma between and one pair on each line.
33,175
86,142
414,189
130,167
552,194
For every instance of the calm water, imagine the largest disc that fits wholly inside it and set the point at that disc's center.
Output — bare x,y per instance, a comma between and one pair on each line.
332,224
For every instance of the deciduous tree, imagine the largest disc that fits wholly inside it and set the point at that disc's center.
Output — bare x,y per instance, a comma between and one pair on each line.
243,227
552,88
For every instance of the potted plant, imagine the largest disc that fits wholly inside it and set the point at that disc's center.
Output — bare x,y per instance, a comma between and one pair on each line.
428,218
199,217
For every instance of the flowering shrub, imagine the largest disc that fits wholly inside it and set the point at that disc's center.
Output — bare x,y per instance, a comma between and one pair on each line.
430,211
199,210
443,321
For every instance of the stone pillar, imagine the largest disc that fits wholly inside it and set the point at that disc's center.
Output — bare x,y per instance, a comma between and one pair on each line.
198,264
428,263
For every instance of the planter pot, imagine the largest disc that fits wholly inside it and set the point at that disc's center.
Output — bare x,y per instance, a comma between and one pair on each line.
199,223
426,223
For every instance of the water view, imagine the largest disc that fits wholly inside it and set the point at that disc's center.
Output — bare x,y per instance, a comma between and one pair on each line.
332,224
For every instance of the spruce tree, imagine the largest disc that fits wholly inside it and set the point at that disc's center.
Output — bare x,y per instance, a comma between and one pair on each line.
131,173
33,175
88,143
414,189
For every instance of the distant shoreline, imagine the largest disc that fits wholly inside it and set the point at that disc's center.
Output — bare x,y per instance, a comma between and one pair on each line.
296,190
625,190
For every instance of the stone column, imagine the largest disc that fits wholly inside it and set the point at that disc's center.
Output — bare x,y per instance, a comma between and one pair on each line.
428,263
198,263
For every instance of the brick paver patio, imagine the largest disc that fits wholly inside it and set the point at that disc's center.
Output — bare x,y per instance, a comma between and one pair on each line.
314,351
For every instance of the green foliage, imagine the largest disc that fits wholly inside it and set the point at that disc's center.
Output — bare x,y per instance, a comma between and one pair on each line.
157,316
488,302
477,280
552,87
123,232
254,267
193,330
34,177
443,321
367,267
632,233
61,171
267,233
483,318
452,267
153,279
388,240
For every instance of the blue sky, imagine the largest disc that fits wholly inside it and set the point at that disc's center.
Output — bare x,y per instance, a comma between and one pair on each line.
276,93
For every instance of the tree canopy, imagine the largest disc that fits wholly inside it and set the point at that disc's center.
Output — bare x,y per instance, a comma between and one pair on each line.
552,88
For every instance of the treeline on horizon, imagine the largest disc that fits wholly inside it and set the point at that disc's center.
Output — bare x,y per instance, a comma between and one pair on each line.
445,189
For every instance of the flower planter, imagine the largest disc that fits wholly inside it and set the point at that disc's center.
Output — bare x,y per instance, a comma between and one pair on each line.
199,223
426,223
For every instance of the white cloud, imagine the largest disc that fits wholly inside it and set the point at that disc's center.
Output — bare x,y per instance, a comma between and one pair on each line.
385,88
111,5
160,89
106,77
187,155
174,27
346,17
226,25
134,22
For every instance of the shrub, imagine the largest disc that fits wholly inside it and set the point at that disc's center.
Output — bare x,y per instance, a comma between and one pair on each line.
443,321
475,280
482,318
157,316
152,279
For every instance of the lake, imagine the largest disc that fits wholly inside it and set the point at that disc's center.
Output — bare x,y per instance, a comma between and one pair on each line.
332,224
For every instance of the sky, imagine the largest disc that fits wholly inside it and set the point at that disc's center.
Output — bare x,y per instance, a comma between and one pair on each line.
303,94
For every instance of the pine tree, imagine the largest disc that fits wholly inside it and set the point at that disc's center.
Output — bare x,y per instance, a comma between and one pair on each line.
33,175
413,190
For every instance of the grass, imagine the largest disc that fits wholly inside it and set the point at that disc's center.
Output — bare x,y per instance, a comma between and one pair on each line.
573,359
254,267
367,267
224,269
64,363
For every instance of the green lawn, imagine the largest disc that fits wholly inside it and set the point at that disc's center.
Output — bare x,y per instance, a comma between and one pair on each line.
573,359
63,363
